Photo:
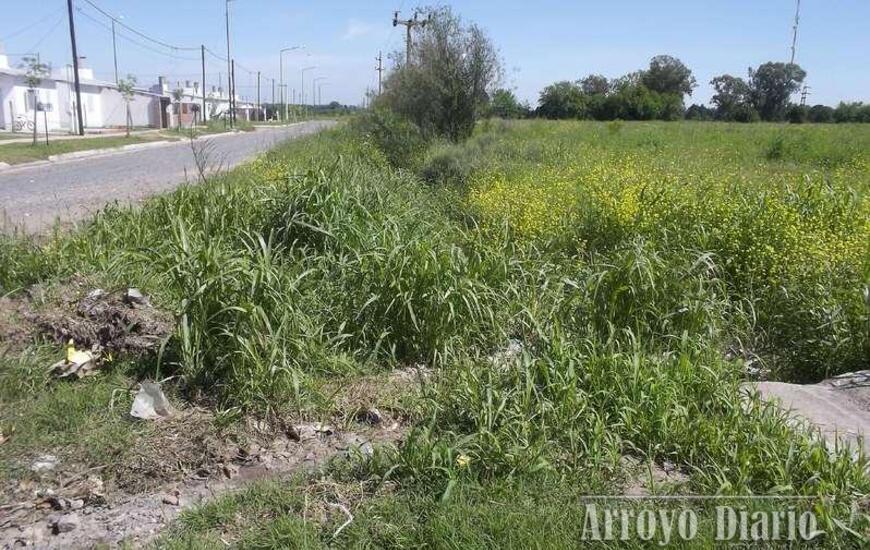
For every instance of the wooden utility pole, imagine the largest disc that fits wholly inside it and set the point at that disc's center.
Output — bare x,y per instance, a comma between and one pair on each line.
75,54
258,96
409,24
380,69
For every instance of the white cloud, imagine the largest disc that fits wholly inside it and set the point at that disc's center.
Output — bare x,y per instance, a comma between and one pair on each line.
356,29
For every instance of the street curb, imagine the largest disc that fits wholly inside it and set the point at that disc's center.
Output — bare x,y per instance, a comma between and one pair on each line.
76,155
107,151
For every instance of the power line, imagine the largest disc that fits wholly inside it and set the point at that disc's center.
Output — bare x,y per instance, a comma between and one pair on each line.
102,25
31,25
46,35
139,33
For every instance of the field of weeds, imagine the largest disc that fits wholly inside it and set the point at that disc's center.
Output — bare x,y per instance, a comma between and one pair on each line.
582,304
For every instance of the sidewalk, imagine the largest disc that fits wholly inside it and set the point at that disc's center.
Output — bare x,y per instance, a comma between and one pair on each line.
28,137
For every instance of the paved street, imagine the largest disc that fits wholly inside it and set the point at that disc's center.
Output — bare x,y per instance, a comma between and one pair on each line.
33,198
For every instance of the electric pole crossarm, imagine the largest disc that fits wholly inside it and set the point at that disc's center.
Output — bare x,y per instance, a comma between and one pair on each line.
410,25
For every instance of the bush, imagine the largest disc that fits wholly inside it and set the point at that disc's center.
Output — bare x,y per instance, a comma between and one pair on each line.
798,114
446,85
399,139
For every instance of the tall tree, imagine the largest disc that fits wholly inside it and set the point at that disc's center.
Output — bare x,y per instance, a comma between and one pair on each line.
772,85
594,84
668,75
732,96
562,100
504,104
33,75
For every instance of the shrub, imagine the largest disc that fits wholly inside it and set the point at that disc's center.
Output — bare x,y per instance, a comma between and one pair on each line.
445,86
399,139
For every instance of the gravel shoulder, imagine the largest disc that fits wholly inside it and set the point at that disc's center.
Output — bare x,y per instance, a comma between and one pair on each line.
33,198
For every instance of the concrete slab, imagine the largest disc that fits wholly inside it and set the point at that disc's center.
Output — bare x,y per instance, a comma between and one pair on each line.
839,407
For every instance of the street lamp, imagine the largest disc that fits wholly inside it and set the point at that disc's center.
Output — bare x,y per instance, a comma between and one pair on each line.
314,89
302,87
281,62
320,91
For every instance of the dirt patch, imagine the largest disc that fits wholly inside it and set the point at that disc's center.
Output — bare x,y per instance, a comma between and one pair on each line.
16,331
186,460
645,478
117,322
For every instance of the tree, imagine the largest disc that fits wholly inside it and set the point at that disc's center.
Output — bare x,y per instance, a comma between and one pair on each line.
771,86
34,73
126,88
504,104
453,70
852,112
562,100
594,84
177,96
699,112
798,114
821,114
731,98
668,75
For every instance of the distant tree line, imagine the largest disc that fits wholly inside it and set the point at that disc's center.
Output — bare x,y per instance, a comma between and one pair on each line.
658,92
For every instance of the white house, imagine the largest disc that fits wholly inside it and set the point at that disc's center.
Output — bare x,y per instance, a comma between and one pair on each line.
54,98
217,102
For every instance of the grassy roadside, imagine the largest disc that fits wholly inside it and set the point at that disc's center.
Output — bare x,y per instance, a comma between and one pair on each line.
322,261
17,153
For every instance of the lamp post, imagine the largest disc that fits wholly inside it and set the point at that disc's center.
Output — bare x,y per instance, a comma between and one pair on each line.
320,92
314,90
302,87
281,71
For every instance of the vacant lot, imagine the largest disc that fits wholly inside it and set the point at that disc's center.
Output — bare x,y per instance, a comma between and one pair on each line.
545,312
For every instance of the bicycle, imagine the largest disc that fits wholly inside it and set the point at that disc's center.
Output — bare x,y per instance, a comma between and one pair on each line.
22,123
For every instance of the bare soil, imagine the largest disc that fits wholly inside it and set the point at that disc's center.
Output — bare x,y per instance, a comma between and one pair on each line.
186,461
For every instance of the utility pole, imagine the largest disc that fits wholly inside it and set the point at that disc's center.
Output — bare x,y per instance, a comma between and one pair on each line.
229,66
258,96
797,15
302,86
804,93
409,24
380,69
204,111
75,54
114,50
233,87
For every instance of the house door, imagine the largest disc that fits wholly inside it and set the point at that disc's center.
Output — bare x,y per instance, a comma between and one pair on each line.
164,112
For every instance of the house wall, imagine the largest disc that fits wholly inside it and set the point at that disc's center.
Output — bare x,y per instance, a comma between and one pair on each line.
18,103
144,109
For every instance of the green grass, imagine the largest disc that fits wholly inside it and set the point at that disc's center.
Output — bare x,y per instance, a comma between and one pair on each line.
322,260
17,153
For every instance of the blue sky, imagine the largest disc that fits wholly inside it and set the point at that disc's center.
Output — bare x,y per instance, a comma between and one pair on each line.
540,42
